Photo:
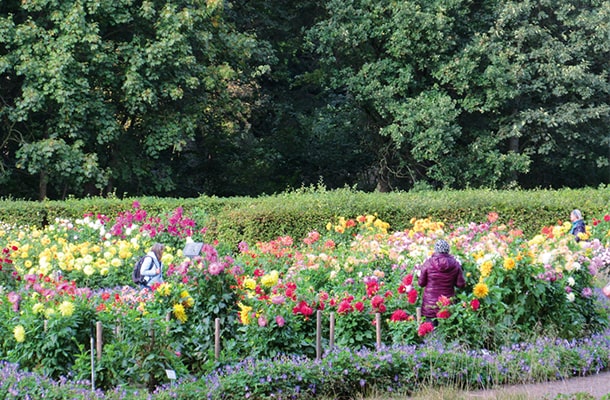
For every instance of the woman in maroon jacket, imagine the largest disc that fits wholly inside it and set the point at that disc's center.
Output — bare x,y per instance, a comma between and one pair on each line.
441,273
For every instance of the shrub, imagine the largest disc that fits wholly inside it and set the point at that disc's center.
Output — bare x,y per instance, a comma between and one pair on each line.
267,294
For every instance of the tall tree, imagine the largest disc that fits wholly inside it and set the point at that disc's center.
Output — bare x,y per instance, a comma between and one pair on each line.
291,142
539,79
106,95
447,87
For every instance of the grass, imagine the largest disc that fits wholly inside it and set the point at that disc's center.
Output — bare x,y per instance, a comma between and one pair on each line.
502,393
454,394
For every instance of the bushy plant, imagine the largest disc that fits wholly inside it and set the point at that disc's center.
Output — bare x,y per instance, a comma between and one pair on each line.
266,295
48,321
205,286
519,286
600,229
9,276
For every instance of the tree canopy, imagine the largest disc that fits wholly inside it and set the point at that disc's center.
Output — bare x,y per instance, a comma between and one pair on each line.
107,95
467,93
190,97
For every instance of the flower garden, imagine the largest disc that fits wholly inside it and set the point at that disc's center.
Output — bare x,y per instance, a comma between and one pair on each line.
532,308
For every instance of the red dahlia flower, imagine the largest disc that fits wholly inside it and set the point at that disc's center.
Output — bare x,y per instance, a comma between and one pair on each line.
399,315
407,280
425,328
412,296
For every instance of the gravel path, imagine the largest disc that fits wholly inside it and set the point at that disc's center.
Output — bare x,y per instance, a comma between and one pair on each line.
596,385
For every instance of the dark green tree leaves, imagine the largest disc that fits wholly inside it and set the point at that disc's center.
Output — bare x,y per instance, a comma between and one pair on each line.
539,76
248,97
471,93
127,86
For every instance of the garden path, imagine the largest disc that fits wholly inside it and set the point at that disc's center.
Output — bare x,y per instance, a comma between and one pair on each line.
597,385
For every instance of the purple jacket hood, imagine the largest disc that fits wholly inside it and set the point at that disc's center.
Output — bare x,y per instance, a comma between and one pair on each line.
441,273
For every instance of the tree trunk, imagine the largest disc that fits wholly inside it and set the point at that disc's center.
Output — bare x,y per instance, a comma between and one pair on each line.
513,145
383,179
42,185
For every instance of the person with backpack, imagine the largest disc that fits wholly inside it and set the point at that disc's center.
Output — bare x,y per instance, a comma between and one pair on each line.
578,228
151,267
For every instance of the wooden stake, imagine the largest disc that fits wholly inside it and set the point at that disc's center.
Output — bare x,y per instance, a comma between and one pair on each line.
217,338
331,338
92,350
98,339
318,334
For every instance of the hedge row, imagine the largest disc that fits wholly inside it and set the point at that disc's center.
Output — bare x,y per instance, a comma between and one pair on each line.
296,212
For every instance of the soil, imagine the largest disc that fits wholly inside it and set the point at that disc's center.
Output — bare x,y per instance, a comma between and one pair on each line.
597,385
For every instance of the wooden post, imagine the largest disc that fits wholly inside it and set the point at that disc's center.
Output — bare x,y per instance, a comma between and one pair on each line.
318,334
331,338
418,314
92,350
217,338
378,329
98,339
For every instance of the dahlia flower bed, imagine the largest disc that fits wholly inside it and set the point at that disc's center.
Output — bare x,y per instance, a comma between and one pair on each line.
60,283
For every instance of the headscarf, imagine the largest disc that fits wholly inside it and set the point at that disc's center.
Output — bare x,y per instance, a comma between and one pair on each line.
441,246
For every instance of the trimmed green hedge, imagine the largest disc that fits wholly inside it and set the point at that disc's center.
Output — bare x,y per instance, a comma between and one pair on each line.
295,213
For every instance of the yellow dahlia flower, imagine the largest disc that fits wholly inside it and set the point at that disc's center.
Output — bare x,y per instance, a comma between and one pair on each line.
480,290
179,312
66,309
244,313
19,333
509,263
486,268
270,279
250,283
38,308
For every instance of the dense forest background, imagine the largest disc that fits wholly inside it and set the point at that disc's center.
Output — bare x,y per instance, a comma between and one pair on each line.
246,97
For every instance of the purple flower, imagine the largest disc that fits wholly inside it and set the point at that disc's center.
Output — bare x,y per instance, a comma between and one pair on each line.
215,268
243,246
14,298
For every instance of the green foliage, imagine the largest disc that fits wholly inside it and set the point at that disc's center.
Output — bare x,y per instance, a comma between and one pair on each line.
458,95
190,97
538,88
213,298
108,93
51,341
355,330
396,372
400,332
266,297
296,212
267,339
